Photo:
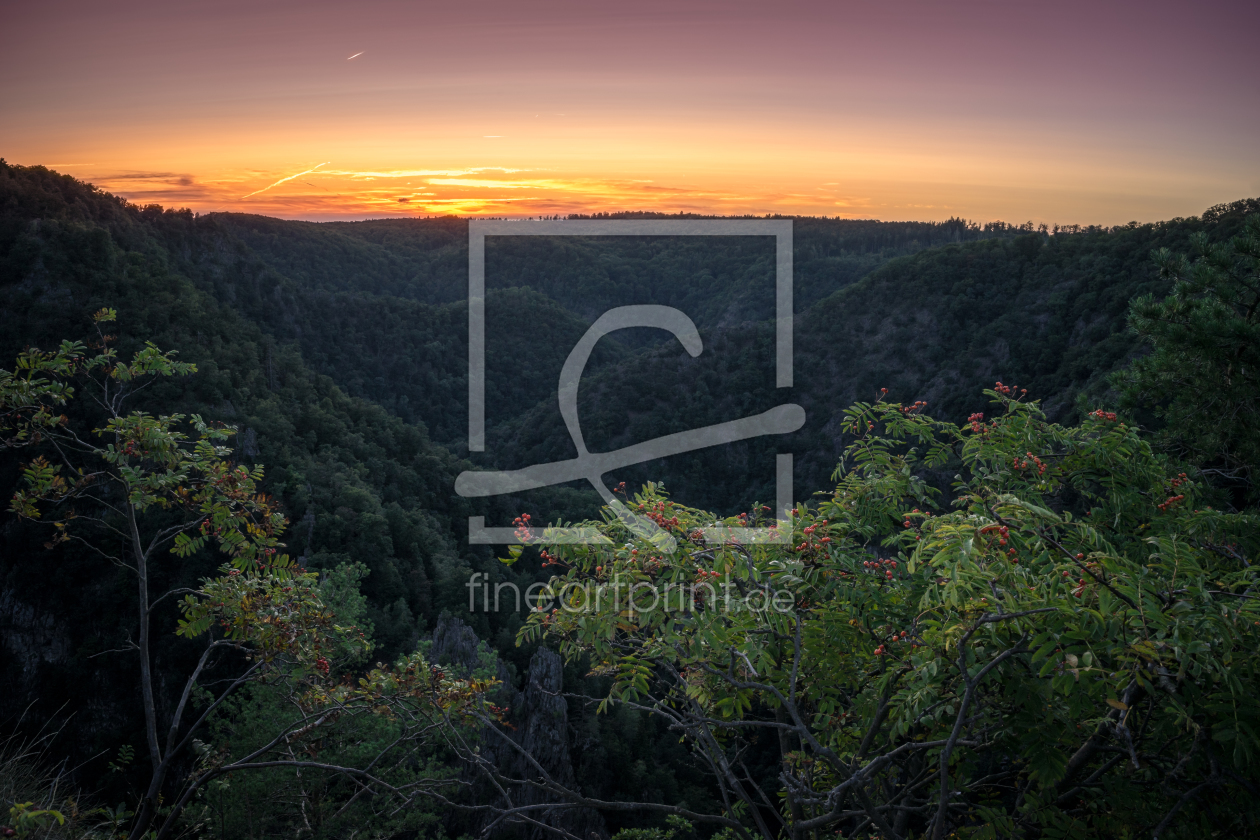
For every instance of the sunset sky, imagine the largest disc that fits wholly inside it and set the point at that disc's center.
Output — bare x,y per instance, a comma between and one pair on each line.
1090,113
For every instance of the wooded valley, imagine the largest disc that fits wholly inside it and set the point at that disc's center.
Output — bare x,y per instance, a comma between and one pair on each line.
1020,583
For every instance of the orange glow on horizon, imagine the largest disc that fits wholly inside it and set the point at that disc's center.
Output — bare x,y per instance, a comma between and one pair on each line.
327,193
889,168
913,110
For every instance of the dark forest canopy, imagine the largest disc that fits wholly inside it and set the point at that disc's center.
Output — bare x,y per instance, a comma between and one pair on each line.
303,329
338,351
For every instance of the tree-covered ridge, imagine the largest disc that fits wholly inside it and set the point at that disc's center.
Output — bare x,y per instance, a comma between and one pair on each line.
424,259
1206,359
360,486
394,292
358,483
368,494
378,306
1048,312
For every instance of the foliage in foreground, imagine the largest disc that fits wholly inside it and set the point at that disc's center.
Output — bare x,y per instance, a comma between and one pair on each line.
1064,644
142,493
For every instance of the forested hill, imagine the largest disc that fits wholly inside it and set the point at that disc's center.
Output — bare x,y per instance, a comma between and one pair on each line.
359,484
931,311
339,351
1046,313
379,305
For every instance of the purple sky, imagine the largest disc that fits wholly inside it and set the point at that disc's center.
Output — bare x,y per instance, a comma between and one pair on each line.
1073,112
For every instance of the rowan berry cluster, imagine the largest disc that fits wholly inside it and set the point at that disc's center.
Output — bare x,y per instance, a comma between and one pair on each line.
1103,415
1030,460
1003,535
811,542
1079,589
906,523
910,409
1002,531
523,533
976,420
883,650
1170,501
874,567
657,515
1173,484
1007,390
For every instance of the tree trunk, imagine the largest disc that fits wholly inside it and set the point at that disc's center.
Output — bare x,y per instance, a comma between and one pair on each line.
148,805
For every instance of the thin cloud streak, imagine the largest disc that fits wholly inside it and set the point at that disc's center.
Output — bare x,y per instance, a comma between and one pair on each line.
417,173
290,178
369,194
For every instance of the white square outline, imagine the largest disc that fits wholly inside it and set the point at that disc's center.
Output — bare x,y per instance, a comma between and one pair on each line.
478,230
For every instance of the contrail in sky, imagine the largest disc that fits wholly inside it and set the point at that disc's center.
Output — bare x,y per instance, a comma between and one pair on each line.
356,55
290,178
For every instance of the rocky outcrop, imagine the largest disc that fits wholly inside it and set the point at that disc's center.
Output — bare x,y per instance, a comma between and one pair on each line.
454,645
30,636
539,718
